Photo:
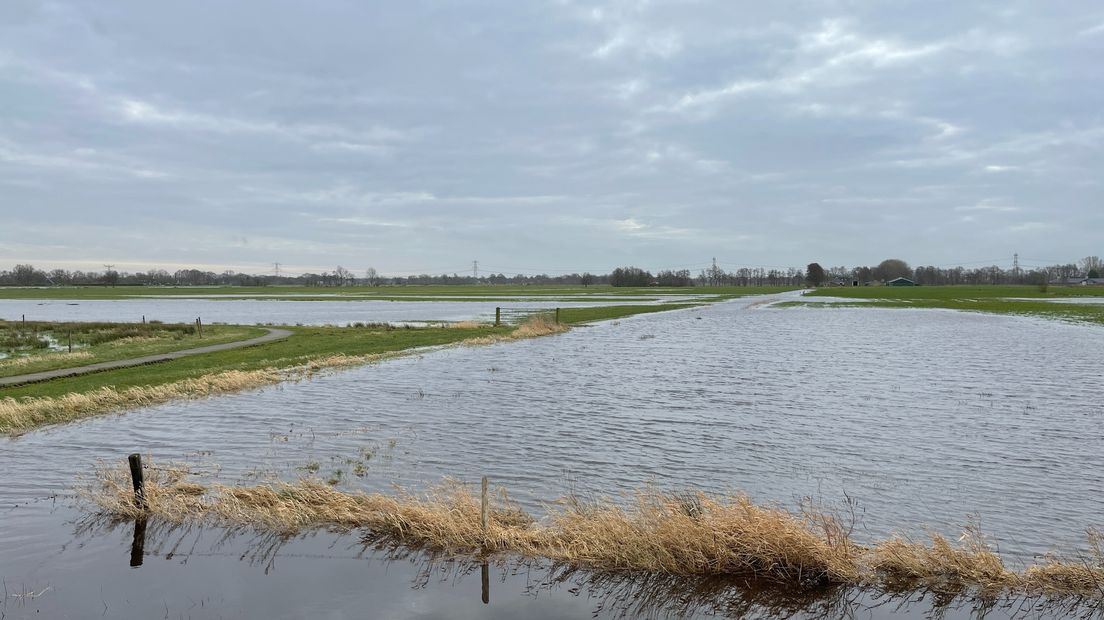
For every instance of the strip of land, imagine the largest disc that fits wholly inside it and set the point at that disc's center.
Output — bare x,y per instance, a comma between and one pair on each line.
271,336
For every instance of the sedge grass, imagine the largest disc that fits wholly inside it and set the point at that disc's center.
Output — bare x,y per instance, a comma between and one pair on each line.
676,534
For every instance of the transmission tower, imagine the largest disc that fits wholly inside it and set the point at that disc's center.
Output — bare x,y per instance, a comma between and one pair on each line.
1016,264
276,269
475,269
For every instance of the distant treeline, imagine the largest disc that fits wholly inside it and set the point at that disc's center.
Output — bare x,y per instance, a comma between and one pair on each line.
889,269
1088,267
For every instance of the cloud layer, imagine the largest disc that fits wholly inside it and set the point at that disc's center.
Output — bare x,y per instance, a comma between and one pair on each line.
548,136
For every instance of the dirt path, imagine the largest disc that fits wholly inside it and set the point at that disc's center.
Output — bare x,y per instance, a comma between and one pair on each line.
272,336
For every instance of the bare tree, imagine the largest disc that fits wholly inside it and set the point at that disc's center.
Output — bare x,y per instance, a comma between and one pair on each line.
342,276
372,277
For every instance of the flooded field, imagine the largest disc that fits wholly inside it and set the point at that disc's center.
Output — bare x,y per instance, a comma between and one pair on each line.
925,419
278,312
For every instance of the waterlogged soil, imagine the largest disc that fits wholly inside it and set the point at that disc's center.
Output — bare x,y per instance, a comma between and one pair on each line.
281,312
924,419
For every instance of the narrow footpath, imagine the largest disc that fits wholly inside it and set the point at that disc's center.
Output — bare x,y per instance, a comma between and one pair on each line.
272,336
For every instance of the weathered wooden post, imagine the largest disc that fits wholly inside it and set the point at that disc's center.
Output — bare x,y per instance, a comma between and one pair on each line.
483,506
143,319
138,481
24,321
557,315
498,316
70,341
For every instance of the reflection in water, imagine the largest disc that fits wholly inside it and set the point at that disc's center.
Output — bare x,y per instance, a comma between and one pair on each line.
607,594
138,544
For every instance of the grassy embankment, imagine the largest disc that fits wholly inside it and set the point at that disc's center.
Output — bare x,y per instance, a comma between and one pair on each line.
102,342
306,351
1017,300
690,534
382,293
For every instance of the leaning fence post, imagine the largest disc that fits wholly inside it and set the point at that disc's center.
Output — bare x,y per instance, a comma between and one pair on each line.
139,482
498,317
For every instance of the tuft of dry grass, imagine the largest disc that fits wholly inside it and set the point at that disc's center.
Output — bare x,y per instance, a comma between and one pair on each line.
687,534
24,360
538,325
467,325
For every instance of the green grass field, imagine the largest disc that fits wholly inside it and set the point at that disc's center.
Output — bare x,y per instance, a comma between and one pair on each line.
1016,300
958,292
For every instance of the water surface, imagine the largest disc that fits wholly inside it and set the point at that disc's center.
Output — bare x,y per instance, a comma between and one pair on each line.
925,418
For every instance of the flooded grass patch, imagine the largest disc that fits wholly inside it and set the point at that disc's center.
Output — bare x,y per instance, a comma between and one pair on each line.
690,534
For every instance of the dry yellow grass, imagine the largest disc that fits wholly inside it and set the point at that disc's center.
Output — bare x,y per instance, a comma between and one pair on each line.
467,325
23,414
689,534
538,325
24,360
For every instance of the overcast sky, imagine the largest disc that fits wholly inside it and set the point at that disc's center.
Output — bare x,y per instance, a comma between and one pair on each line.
548,136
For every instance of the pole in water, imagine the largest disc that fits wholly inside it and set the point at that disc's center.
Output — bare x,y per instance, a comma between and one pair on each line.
143,319
498,317
136,478
483,506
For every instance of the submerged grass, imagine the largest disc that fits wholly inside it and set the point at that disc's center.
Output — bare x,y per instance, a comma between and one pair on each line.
685,534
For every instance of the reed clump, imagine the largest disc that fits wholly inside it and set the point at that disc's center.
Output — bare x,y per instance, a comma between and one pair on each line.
686,534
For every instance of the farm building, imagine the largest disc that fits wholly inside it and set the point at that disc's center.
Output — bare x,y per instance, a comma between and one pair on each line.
900,282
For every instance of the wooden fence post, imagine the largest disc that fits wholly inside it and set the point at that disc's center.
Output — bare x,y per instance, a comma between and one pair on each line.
557,315
498,317
138,481
70,341
483,506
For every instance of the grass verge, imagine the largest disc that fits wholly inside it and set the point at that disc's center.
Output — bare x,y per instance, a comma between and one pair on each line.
687,534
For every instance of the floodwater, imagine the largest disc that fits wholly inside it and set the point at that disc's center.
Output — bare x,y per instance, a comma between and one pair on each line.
278,312
925,419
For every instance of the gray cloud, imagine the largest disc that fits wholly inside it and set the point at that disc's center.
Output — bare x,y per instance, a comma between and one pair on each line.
548,136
